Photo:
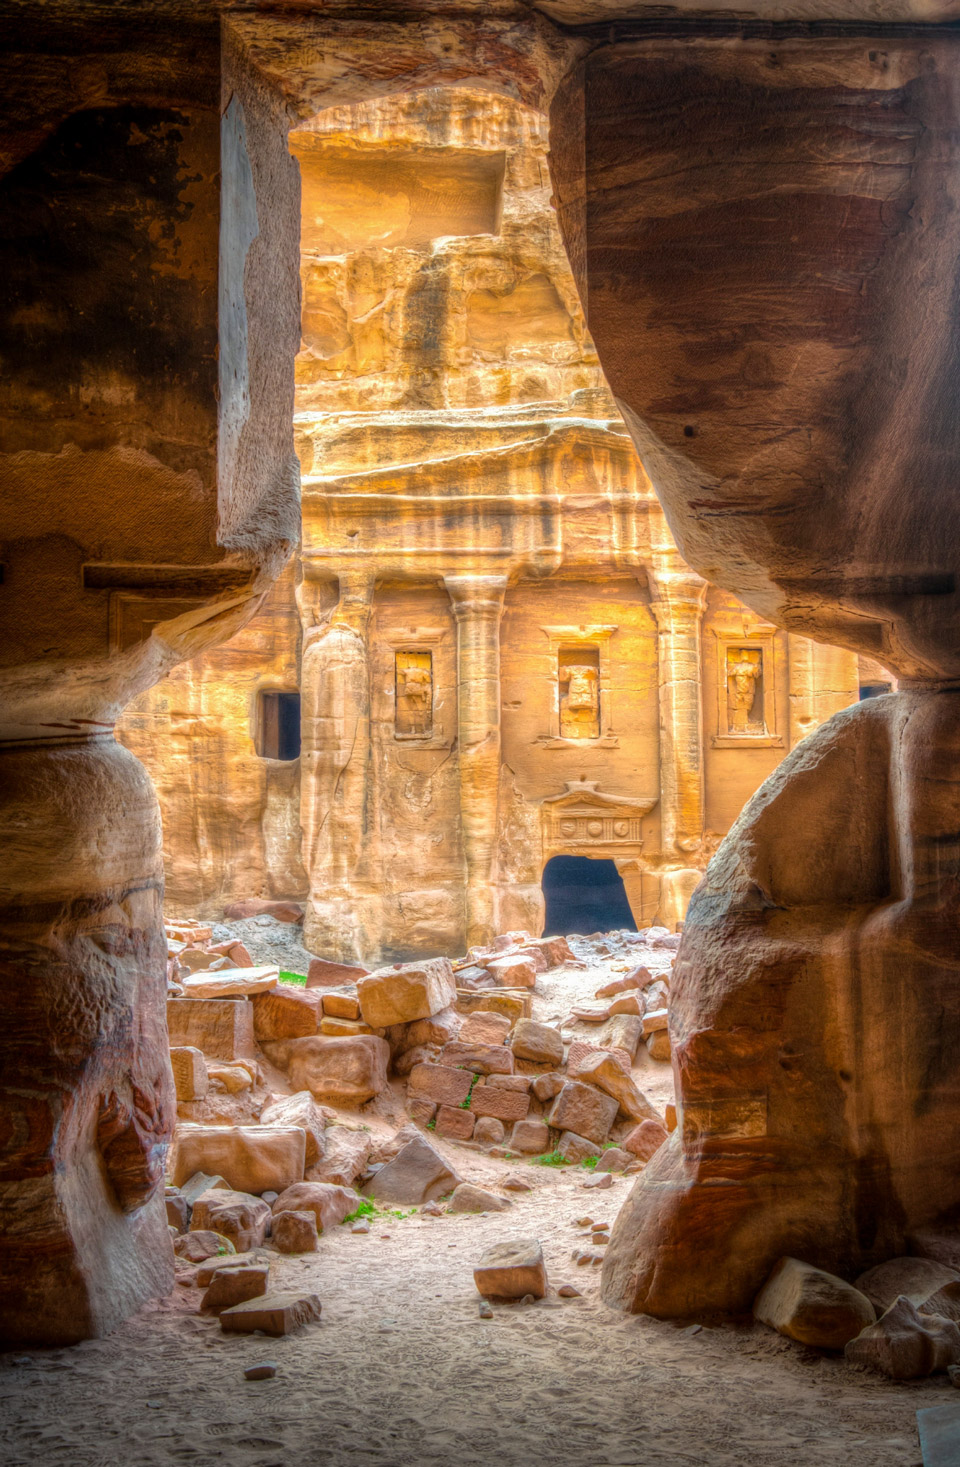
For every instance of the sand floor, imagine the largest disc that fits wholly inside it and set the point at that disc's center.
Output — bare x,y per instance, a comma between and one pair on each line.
402,1371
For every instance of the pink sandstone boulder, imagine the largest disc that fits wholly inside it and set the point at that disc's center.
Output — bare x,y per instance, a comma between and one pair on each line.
812,1306
340,1071
906,1344
645,1140
237,1215
299,1110
286,1013
249,1158
324,974
406,992
329,1204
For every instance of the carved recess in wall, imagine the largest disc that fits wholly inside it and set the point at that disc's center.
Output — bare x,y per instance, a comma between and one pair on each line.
414,694
747,713
584,821
583,698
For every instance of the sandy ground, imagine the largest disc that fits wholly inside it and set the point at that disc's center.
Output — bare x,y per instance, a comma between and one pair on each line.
402,1371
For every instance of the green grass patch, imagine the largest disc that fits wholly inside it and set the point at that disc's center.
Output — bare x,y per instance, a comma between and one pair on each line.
365,1208
549,1158
465,1104
299,979
590,1162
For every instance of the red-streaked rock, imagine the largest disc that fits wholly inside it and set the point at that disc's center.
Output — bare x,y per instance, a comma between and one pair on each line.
511,1270
273,1314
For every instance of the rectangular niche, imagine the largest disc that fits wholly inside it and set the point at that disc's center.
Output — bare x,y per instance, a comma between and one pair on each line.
578,682
743,675
413,715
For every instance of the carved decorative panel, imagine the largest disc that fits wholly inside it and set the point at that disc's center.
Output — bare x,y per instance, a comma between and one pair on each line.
414,695
584,821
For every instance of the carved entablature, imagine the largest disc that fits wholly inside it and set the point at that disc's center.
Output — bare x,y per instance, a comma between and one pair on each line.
583,821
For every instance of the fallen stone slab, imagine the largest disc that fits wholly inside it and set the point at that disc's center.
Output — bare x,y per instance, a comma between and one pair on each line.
343,1072
915,1278
540,1042
237,1215
199,1183
442,1083
294,1231
584,1110
341,1003
291,912
206,1271
230,1286
250,1158
328,1203
504,1105
905,1344
455,1123
556,950
273,1314
512,1270
469,1198
530,1137
324,974
513,972
221,1027
202,1243
416,1174
190,1076
235,983
812,1306
654,1022
299,1110
512,1003
603,1070
345,1157
939,1430
286,1013
405,992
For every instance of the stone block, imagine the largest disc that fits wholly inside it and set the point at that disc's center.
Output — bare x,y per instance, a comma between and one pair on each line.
202,1243
514,1005
328,1203
294,1232
510,1082
604,1071
178,1211
584,1110
530,1137
658,1045
574,1148
290,912
653,1022
812,1306
273,1314
488,1131
916,1278
345,1071
484,1028
405,992
235,983
205,1271
540,1042
513,972
505,1105
299,1110
646,1139
469,1198
236,1215
345,1158
482,1059
906,1344
421,1112
286,1013
199,1183
221,1027
545,1087
249,1158
345,1028
341,1003
511,1270
556,950
189,1072
324,974
456,1124
622,1031
230,1286
441,1083
416,1174
235,1079
439,1029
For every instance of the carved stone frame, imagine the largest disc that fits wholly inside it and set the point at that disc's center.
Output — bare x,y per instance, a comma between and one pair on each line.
765,644
590,636
422,639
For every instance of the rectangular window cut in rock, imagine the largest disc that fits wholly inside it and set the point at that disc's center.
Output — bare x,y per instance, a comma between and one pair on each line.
278,725
578,678
413,717
744,670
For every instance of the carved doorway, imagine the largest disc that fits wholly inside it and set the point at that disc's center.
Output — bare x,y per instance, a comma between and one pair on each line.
583,894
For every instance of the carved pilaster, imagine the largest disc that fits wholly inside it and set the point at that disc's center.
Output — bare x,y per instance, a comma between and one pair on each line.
477,607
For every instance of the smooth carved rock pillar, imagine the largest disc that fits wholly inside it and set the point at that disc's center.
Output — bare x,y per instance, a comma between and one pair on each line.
337,816
478,606
87,1106
677,604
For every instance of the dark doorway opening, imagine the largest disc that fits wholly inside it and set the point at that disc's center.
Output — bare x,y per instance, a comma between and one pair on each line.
278,725
584,896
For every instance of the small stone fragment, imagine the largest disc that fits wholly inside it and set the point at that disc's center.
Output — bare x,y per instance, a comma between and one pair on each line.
599,1181
265,1371
230,1286
567,1291
201,1244
905,1344
485,1311
516,1182
469,1198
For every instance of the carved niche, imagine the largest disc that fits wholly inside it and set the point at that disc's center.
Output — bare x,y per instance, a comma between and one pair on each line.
744,673
413,718
583,821
578,678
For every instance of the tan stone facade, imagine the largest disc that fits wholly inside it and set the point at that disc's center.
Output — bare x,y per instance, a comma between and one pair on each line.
500,655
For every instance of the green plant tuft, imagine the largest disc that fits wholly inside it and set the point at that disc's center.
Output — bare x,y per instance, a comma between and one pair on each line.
590,1162
432,1123
365,1208
299,979
549,1158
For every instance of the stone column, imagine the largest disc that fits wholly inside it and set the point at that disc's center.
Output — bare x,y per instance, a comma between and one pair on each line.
477,607
822,681
336,786
678,596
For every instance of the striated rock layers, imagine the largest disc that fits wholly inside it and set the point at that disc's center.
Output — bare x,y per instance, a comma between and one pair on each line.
766,238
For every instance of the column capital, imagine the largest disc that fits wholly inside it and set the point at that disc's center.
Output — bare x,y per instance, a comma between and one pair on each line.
476,595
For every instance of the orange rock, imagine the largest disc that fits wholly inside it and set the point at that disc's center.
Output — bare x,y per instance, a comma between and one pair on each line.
273,1314
646,1139
324,974
220,1027
299,1110
344,1071
328,1203
512,1270
406,991
250,1158
286,1013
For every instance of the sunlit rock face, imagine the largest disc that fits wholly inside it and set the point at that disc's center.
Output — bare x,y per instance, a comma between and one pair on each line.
766,236
499,653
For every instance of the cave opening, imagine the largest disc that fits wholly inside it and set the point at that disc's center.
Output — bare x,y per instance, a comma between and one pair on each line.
584,895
